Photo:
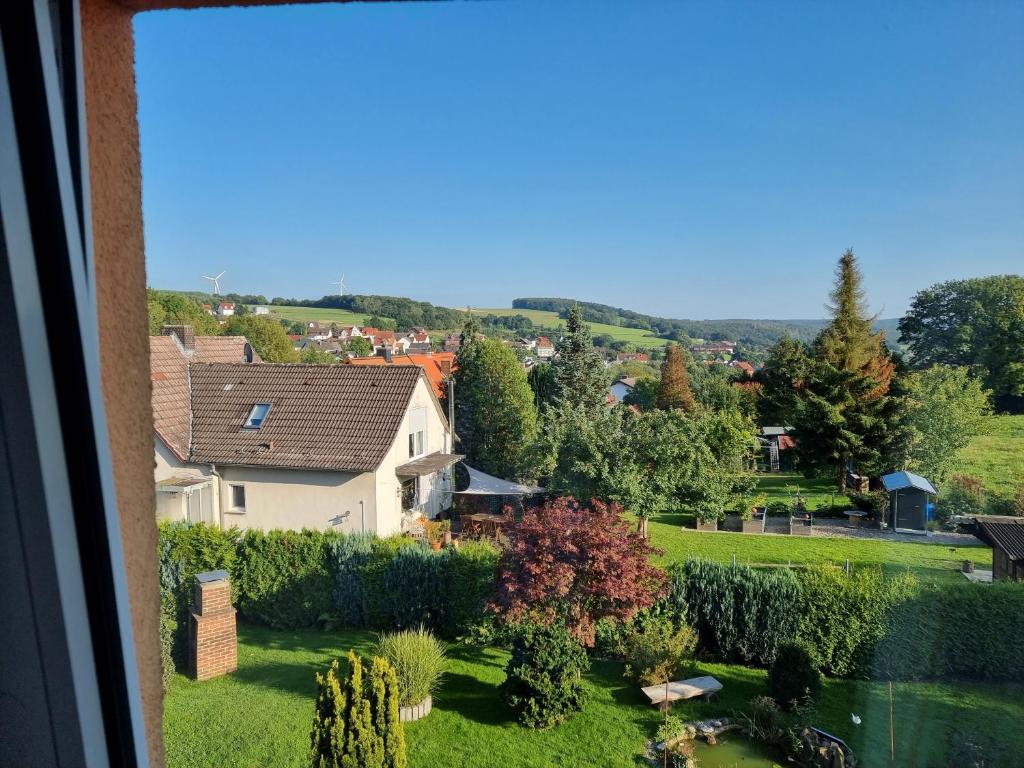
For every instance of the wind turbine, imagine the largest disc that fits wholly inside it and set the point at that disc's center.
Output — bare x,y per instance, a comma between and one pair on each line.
341,285
215,281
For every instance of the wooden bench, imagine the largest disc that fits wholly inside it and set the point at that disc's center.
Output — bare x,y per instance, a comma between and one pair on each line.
663,694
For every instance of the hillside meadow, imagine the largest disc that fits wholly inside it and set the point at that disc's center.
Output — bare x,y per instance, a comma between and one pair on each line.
551,321
997,457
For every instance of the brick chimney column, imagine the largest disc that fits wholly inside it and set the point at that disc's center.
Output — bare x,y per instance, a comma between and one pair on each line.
213,643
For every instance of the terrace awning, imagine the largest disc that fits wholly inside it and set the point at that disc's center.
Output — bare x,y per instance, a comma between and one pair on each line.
428,465
482,484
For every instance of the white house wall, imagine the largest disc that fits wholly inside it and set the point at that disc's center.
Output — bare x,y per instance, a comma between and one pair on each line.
293,499
435,439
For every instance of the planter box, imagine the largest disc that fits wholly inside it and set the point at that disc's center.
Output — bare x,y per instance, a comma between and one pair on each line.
732,523
799,526
754,525
416,711
709,526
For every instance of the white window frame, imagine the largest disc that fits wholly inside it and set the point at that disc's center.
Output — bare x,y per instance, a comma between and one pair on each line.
232,507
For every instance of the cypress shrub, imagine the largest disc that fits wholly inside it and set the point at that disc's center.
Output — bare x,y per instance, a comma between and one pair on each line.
347,557
281,577
958,630
845,616
471,574
372,574
414,583
544,677
740,613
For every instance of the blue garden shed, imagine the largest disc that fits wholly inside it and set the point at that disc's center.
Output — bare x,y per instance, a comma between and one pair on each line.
912,502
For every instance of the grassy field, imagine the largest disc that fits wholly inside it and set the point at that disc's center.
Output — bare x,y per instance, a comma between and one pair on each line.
316,314
551,320
997,458
260,715
817,493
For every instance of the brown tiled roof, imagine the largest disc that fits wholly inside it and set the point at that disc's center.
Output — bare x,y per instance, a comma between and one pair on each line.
337,417
169,373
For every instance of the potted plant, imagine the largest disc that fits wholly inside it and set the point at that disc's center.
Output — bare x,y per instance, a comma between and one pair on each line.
446,532
432,532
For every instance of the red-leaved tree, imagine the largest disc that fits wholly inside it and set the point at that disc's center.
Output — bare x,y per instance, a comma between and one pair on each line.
576,563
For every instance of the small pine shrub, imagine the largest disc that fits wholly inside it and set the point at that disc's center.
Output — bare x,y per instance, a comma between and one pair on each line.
355,721
544,678
418,659
793,680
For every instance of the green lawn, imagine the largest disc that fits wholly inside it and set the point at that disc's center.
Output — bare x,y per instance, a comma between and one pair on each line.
551,320
317,314
928,560
780,486
997,458
260,715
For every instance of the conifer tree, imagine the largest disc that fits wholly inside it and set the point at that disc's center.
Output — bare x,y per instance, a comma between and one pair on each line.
847,418
580,378
356,722
674,392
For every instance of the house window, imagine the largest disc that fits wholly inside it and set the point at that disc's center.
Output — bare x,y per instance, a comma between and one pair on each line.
257,416
409,495
237,498
417,431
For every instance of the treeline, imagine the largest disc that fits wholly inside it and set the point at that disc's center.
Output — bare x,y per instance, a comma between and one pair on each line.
754,333
406,313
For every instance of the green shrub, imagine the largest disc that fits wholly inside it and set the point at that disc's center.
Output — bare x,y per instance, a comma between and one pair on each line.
963,495
281,577
777,509
372,574
355,721
739,613
183,551
793,679
418,659
347,556
875,503
954,631
471,573
657,650
168,629
843,617
544,678
414,584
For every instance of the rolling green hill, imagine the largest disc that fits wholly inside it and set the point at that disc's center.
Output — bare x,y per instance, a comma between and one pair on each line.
551,321
318,314
997,457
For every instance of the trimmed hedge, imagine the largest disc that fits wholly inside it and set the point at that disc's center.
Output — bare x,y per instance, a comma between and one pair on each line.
956,631
293,579
740,614
861,625
281,578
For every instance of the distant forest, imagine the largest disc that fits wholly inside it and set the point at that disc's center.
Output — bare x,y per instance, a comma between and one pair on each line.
753,333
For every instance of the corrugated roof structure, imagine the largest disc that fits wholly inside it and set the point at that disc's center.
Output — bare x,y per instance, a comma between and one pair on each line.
1006,533
897,481
337,417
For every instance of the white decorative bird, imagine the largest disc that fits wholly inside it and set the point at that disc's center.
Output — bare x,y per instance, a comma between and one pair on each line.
855,718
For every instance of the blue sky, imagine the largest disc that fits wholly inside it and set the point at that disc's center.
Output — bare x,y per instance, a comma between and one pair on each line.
698,160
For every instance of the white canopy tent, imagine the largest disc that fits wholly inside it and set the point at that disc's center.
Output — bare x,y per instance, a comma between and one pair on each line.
482,484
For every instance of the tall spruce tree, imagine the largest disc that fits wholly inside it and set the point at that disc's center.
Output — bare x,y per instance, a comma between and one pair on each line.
847,418
674,391
580,378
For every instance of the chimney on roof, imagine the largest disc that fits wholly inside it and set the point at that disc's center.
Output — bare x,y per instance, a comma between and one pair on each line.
446,366
185,334
387,353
